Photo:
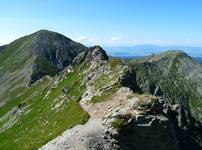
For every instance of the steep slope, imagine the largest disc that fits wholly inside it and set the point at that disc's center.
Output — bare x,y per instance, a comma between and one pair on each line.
31,57
173,75
42,111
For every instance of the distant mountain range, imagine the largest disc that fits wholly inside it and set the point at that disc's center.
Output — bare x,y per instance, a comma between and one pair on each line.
144,50
199,59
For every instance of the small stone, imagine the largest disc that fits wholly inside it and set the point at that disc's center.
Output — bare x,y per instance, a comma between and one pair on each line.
104,137
176,107
134,103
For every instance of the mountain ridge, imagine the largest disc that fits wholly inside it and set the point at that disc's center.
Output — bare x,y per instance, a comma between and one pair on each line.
75,85
177,67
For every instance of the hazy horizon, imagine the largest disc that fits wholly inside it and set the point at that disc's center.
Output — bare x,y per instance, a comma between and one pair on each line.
140,50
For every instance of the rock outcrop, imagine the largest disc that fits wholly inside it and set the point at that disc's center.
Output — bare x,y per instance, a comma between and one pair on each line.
147,122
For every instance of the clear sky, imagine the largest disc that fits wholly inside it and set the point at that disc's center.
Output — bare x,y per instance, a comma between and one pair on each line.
106,22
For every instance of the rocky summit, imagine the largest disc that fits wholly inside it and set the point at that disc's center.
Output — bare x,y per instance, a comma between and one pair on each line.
56,93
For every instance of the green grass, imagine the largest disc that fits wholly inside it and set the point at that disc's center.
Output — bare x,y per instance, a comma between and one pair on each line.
105,95
101,81
43,67
14,58
114,62
40,122
14,55
121,122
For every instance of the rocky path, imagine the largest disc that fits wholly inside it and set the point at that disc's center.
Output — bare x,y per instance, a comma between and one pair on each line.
77,138
91,135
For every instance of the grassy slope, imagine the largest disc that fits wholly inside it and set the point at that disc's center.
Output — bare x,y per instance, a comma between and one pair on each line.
14,70
13,57
39,122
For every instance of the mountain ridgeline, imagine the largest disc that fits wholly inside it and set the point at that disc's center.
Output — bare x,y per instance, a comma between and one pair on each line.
48,81
173,75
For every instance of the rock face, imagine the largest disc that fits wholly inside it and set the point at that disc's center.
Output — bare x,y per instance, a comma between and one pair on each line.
53,53
145,122
94,55
148,132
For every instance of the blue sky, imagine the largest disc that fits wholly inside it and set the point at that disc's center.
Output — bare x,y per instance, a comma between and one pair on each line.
106,22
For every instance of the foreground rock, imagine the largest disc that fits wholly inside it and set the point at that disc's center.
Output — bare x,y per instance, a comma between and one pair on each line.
137,125
148,122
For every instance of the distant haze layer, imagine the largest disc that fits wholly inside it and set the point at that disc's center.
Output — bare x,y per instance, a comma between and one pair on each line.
143,50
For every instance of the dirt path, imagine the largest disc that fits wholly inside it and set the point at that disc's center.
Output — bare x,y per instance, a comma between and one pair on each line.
91,135
77,138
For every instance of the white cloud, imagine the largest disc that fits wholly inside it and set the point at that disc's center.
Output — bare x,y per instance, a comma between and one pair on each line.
82,39
164,42
89,40
115,39
121,41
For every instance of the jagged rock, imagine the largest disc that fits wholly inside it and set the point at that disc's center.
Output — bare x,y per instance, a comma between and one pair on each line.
132,128
94,55
135,130
176,107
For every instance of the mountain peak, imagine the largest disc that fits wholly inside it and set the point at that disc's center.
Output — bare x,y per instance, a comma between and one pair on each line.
41,53
99,52
95,53
170,54
45,31
173,53
46,34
